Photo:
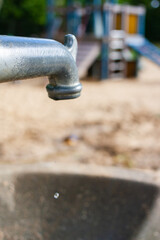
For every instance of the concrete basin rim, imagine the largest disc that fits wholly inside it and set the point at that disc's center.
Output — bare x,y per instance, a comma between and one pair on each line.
91,170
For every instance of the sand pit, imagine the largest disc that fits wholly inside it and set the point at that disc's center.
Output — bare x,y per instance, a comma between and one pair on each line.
113,123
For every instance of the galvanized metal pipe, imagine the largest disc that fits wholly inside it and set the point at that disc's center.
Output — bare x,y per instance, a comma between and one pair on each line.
23,58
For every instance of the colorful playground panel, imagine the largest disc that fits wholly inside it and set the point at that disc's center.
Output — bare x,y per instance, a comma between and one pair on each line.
127,18
133,24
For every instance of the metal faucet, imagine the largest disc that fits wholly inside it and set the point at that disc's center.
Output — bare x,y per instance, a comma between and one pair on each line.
23,58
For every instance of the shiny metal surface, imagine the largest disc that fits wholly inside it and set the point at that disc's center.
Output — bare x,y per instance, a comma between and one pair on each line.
23,58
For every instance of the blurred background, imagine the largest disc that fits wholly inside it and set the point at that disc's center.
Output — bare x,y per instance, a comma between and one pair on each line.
29,17
116,122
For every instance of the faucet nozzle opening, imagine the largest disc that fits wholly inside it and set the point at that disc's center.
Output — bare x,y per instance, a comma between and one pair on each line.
63,93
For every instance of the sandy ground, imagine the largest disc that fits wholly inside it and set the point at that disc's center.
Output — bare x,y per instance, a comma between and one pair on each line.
113,123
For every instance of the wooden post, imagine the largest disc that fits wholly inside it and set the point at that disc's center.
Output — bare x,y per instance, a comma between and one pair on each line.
141,24
104,47
73,19
50,18
113,1
106,22
97,18
69,17
104,61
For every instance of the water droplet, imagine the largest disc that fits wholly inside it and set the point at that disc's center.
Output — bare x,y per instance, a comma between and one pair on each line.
56,195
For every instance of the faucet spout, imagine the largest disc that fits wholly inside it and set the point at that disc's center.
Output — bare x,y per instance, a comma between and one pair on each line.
24,58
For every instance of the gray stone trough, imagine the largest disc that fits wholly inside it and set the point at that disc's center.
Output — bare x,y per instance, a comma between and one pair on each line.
61,202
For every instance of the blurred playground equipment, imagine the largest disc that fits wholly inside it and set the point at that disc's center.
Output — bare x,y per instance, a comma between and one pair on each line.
111,36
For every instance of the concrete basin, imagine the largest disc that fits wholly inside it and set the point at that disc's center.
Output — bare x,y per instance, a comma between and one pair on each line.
62,202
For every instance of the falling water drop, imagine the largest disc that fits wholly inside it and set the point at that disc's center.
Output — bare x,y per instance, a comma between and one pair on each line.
56,195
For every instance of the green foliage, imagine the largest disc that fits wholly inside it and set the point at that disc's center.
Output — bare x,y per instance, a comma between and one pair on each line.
10,10
35,9
152,24
135,2
22,17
